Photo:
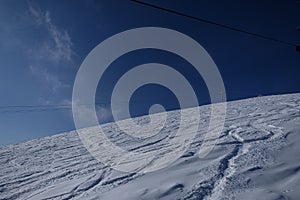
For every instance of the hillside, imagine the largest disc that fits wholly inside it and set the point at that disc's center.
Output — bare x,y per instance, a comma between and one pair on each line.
256,157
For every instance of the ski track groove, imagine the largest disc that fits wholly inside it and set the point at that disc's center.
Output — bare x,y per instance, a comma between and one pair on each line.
206,187
41,164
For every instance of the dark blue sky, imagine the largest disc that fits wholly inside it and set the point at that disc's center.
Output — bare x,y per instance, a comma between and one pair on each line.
43,43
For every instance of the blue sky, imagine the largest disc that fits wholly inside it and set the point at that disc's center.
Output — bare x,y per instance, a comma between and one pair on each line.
43,43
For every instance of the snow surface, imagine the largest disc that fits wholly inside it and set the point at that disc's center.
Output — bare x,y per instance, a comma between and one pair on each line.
256,157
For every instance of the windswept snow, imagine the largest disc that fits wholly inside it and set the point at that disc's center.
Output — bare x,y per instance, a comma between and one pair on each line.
255,157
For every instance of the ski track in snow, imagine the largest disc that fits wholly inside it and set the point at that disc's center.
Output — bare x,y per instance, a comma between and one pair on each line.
255,157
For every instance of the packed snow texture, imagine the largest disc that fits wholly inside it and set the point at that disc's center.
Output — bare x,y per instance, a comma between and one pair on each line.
255,157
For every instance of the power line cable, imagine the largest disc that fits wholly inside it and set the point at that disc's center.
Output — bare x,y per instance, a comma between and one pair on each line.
53,107
219,24
14,109
8,109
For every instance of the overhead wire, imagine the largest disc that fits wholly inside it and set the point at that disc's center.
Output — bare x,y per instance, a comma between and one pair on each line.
218,24
8,109
53,107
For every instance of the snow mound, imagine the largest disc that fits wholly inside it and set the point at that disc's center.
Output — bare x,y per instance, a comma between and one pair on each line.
256,157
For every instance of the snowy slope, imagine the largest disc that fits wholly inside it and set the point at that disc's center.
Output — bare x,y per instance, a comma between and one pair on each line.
256,157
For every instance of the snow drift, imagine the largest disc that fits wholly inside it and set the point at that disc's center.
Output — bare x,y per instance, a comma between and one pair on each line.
256,157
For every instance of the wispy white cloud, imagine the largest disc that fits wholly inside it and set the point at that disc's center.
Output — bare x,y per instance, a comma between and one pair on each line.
45,48
58,47
103,113
36,13
50,78
86,114
52,49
